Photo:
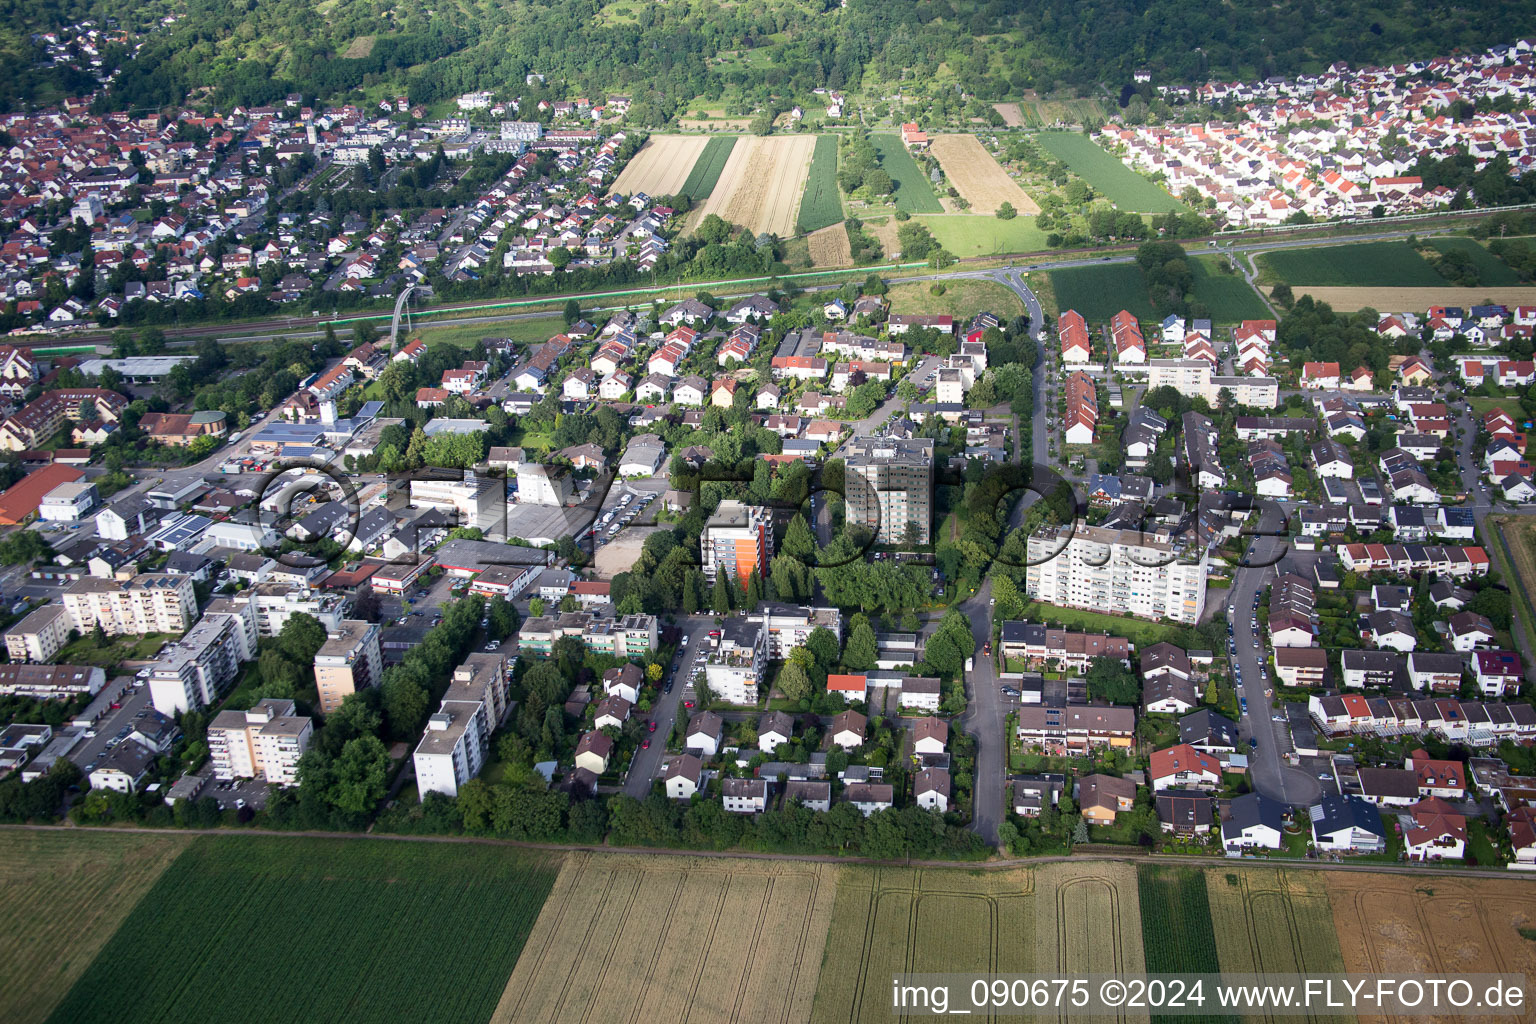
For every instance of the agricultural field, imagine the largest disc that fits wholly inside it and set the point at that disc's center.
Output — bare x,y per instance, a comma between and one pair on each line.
674,939
821,206
978,177
706,169
1111,178
967,234
1347,300
62,895
1090,916
761,183
913,193
1176,923
1099,292
1490,269
1356,265
363,919
829,247
1403,924
961,299
1036,113
1517,537
1012,116
1229,297
661,166
895,920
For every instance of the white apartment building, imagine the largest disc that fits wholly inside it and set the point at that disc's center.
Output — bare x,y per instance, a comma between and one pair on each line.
1196,377
265,742
451,751
348,661
790,626
739,539
275,603
196,670
39,636
735,667
147,603
1121,572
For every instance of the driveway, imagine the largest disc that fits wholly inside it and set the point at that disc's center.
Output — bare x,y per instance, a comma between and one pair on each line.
646,766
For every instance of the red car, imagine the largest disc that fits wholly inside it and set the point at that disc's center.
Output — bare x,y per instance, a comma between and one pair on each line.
687,703
645,744
652,726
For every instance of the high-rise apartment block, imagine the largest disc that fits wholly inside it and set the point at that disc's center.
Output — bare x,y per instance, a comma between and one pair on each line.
738,539
348,661
148,603
1151,575
890,488
265,742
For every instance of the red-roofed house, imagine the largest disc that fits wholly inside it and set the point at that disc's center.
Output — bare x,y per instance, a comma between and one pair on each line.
1184,767
850,688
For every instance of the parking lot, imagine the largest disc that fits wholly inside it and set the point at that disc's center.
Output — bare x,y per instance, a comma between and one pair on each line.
628,502
114,726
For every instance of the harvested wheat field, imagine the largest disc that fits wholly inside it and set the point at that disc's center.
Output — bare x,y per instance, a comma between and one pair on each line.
761,185
625,938
829,246
1272,920
1012,116
898,920
884,232
1388,300
978,177
661,166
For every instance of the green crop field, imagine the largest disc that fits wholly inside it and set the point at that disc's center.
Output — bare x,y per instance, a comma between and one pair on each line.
820,206
1121,185
1176,932
291,929
969,234
1491,270
913,193
1360,265
1228,296
1102,291
706,169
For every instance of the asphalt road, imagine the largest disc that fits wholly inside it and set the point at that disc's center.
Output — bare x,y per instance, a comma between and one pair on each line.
985,719
646,766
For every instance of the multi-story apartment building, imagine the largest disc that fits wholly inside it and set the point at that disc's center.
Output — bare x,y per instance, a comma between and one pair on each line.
452,750
735,667
265,742
483,677
1152,575
276,602
628,636
790,626
739,540
890,487
51,682
147,603
348,661
1196,377
196,670
1076,729
39,636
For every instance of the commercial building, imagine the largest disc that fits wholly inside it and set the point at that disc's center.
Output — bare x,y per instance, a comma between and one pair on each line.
147,603
543,485
478,502
265,742
198,669
889,485
1120,572
738,539
69,502
348,661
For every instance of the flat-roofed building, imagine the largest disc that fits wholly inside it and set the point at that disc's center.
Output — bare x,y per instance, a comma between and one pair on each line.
147,603
1150,575
348,661
197,670
890,487
451,751
264,743
737,539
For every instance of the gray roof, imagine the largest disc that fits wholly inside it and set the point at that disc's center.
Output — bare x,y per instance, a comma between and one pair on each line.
1252,809
1335,813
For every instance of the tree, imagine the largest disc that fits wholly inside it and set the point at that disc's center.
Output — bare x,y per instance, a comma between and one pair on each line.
572,311
794,683
559,257
1110,680
536,606
862,651
798,541
822,644
1006,211
301,637
714,230
405,703
358,775
720,598
24,546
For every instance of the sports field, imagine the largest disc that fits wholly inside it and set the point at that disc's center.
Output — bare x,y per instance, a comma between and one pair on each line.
706,169
761,184
1111,178
291,929
661,166
977,176
821,207
969,234
913,193
674,939
1359,264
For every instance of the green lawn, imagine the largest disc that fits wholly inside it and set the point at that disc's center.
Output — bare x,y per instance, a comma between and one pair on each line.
1139,631
962,299
1491,270
1228,296
913,193
967,234
1482,405
1123,186
1099,292
84,651
248,928
1359,265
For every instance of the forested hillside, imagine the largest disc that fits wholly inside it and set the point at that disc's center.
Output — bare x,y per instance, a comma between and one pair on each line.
667,54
